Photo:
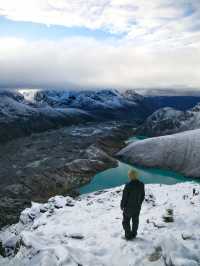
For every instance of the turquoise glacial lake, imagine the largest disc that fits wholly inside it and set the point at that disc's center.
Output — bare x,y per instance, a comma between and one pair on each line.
114,177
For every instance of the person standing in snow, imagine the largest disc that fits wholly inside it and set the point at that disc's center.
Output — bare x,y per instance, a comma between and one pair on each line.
132,198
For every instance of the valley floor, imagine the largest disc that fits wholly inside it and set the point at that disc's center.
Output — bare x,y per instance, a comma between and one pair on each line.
46,164
88,231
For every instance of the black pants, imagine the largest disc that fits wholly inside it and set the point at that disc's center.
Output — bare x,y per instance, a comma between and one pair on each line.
130,232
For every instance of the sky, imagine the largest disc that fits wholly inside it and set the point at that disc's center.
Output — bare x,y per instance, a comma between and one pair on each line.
100,44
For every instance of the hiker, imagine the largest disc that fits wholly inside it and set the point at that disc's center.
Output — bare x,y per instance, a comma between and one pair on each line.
132,198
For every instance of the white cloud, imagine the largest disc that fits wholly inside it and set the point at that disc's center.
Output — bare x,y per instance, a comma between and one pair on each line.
160,44
89,63
135,18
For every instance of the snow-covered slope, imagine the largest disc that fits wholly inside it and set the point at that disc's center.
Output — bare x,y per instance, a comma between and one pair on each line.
82,99
20,117
179,152
25,111
88,231
88,99
168,121
104,104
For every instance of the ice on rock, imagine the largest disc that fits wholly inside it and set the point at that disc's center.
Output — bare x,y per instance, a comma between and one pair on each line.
58,201
28,215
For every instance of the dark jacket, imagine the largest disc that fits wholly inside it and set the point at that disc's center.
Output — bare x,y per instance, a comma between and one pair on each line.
132,198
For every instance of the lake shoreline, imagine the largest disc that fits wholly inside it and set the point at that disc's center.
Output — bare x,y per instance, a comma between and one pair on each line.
117,176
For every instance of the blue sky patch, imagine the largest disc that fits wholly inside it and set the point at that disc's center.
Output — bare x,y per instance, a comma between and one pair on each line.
35,31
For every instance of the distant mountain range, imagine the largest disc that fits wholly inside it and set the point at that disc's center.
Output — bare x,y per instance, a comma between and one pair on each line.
23,112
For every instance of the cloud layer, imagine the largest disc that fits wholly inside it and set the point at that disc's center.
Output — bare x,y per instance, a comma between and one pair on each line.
159,44
90,63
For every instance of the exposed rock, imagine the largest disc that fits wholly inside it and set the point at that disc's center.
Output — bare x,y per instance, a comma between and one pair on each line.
2,250
77,236
156,255
168,217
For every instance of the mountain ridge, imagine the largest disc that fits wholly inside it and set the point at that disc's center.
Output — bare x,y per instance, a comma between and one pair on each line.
23,112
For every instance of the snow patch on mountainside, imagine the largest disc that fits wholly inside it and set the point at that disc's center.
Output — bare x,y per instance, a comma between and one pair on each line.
88,231
179,152
28,94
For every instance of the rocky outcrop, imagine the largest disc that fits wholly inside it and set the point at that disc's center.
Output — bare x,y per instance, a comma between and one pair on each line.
178,152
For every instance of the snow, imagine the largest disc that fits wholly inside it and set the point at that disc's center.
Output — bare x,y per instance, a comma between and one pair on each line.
88,231
168,120
165,113
83,99
28,94
26,103
21,105
190,119
179,152
11,108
